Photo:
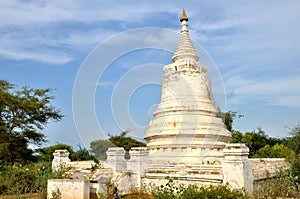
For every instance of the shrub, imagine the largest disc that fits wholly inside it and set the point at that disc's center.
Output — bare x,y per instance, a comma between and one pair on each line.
284,184
171,191
30,178
276,151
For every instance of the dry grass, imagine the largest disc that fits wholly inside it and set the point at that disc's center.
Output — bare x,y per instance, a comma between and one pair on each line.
138,196
23,196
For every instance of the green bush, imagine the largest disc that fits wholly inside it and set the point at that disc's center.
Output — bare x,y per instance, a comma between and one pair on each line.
171,191
283,185
30,178
276,151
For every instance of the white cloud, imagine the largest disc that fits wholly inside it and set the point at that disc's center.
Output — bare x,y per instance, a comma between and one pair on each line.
249,38
17,47
40,25
20,13
46,57
292,101
276,91
246,25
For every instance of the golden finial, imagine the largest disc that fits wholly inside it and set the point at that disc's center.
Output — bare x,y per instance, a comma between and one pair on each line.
183,16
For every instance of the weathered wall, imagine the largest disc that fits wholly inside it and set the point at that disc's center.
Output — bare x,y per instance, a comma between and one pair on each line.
81,165
61,158
68,188
267,167
235,169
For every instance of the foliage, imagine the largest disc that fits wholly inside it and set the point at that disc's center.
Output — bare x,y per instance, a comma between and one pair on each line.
24,113
171,191
30,178
294,161
283,185
294,144
46,153
255,140
236,137
125,141
56,194
99,148
259,140
276,151
14,149
82,154
228,119
294,140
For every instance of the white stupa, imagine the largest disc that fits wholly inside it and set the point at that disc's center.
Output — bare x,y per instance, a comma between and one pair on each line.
187,141
186,127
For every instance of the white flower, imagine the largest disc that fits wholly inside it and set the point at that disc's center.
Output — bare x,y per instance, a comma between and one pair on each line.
27,169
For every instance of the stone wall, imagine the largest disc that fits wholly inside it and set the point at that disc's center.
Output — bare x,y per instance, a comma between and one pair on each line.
236,166
68,189
61,158
236,169
124,174
127,173
267,167
81,165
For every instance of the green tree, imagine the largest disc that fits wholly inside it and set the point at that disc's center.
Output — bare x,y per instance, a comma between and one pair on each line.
255,140
82,154
24,114
99,148
124,141
260,144
276,151
294,144
236,137
46,153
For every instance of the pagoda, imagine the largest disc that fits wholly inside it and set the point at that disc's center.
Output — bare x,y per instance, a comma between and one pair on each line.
186,127
187,142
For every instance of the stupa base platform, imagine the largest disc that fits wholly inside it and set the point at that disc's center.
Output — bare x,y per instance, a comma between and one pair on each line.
200,175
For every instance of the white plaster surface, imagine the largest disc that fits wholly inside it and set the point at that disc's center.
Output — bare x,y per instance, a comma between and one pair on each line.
69,188
186,126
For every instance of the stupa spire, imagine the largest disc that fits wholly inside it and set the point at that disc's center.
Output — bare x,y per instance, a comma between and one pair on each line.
183,16
185,48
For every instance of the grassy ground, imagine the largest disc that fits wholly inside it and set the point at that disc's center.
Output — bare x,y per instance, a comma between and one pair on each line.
23,196
38,196
138,196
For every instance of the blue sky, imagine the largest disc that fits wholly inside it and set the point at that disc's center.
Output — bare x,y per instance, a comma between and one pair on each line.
254,45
